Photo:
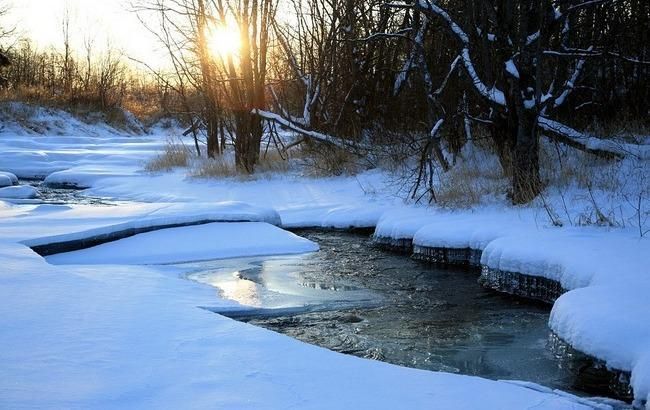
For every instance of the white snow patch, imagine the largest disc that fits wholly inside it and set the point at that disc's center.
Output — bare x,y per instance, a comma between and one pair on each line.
191,243
511,68
19,192
5,181
144,216
13,178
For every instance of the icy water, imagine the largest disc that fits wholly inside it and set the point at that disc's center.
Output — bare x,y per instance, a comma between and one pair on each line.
65,195
356,299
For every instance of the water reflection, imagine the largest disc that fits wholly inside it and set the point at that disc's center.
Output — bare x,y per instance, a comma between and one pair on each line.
278,283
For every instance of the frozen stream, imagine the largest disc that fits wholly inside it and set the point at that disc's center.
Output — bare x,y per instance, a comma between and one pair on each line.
354,298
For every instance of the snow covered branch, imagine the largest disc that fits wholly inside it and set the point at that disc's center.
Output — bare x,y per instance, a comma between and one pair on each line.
593,145
492,94
314,135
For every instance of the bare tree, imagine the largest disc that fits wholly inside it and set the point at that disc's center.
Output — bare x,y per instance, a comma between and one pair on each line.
522,59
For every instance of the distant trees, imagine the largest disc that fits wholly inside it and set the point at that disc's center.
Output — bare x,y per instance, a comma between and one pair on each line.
99,81
5,32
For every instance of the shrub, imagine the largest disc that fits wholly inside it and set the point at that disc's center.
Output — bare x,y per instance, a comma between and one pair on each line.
175,155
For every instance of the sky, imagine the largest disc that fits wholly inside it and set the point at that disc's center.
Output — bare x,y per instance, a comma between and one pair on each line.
104,21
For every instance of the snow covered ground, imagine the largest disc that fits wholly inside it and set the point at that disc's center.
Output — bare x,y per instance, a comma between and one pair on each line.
107,335
191,243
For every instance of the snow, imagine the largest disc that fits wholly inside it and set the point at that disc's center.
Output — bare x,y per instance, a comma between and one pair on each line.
19,192
57,224
402,223
470,230
5,181
191,243
590,142
91,333
13,178
611,323
511,68
605,312
133,336
493,94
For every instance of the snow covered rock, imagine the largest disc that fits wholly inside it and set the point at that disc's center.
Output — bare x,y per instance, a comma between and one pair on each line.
19,192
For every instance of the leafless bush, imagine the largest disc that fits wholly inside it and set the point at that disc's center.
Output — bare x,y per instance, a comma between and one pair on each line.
326,160
582,189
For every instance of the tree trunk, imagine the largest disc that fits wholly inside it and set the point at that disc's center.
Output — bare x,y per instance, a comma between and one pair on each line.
504,135
247,144
526,184
213,133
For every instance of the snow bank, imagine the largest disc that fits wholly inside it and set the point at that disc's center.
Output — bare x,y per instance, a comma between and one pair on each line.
574,257
592,260
5,181
610,323
86,176
133,337
8,175
191,243
402,223
471,229
138,219
605,313
19,192
344,217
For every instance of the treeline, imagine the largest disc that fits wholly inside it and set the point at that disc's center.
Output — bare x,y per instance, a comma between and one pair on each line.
92,79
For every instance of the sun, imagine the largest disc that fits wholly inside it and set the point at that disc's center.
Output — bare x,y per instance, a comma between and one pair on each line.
224,41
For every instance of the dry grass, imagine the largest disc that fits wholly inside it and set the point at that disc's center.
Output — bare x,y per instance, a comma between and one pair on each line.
219,167
563,166
175,156
475,177
323,160
273,161
622,128
224,166
586,190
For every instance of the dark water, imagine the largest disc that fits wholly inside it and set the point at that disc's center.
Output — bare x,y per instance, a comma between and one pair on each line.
65,195
354,298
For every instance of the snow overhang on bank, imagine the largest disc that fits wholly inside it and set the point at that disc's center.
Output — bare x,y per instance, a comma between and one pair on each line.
164,216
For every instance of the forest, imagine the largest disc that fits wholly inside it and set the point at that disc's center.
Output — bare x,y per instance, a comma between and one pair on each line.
371,83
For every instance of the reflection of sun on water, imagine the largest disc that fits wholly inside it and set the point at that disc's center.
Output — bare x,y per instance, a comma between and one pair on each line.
224,41
230,286
242,291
